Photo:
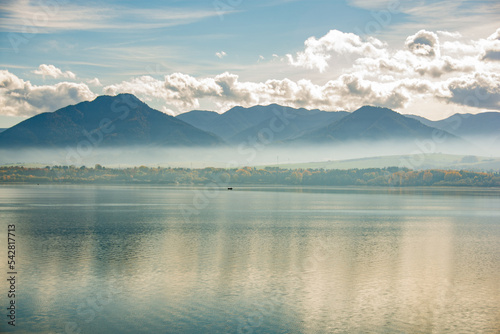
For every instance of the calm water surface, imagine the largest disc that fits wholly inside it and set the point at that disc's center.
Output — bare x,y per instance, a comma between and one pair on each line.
139,259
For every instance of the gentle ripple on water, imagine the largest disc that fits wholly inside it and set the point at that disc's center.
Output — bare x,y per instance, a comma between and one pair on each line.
261,260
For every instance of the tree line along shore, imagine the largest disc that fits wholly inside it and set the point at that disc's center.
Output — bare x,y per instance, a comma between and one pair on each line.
391,176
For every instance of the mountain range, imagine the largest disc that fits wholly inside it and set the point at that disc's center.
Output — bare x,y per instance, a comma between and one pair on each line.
467,125
373,124
239,124
107,121
124,120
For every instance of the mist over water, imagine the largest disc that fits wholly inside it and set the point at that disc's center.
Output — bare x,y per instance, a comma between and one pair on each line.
249,153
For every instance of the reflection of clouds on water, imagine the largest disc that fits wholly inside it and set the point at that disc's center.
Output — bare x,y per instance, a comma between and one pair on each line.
258,260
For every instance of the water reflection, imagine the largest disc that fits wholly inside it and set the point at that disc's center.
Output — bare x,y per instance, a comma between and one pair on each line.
126,260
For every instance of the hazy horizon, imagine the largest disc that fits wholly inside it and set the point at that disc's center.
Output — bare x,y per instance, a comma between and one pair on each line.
239,155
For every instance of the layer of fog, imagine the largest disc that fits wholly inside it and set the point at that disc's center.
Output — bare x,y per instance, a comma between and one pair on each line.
257,154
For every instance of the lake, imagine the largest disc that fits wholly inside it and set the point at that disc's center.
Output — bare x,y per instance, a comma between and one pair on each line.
146,259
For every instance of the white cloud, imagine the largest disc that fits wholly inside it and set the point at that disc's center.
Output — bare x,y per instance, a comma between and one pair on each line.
404,63
21,98
318,52
168,111
459,72
225,90
378,75
424,43
422,55
491,47
459,48
444,65
54,72
94,82
221,54
450,34
479,90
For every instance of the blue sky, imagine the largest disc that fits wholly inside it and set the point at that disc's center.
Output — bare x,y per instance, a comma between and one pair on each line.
432,58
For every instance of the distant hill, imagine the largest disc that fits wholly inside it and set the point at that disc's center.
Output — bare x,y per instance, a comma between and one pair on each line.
431,161
2,129
486,124
238,123
372,124
229,123
202,119
107,121
297,123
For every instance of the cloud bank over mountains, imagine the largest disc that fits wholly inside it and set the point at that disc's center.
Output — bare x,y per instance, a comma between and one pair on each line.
440,66
22,98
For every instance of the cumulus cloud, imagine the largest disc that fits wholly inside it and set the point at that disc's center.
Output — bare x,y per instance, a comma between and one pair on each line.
221,54
404,63
318,52
479,90
456,71
422,55
94,82
458,47
443,65
378,75
21,98
491,47
226,90
54,72
424,43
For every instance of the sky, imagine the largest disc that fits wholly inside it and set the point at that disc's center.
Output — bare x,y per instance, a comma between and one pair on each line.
429,58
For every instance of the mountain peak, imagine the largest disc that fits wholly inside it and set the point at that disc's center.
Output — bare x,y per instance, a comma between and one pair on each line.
120,97
372,123
374,109
114,124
